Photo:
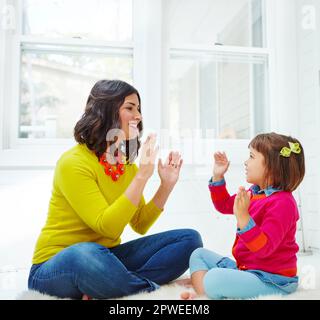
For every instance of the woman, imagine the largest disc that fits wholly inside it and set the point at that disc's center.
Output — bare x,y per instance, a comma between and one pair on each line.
97,192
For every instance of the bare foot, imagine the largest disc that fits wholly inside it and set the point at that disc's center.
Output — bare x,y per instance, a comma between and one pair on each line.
183,282
86,297
188,295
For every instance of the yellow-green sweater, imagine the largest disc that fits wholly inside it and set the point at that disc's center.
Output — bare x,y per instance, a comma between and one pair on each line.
87,206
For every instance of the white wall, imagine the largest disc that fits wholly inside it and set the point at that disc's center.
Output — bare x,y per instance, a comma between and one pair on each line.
308,50
295,99
2,65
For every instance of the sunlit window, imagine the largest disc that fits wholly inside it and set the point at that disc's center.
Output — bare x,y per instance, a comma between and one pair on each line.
209,22
56,74
109,20
216,93
213,83
55,87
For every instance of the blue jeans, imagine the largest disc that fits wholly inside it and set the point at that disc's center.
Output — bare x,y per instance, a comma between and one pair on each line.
139,265
224,280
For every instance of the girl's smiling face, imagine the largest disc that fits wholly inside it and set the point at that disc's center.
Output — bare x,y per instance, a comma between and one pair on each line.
256,169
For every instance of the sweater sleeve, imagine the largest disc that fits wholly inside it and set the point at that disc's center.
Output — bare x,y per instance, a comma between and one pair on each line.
78,185
145,216
279,218
220,197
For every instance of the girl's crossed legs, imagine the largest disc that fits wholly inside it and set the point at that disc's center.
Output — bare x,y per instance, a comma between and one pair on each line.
218,278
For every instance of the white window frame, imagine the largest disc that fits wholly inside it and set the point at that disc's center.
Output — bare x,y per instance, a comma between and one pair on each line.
234,146
123,47
71,46
258,54
150,72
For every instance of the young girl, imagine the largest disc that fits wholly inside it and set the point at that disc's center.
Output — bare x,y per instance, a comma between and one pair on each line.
265,247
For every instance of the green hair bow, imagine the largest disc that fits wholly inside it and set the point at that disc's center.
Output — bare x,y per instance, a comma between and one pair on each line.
294,147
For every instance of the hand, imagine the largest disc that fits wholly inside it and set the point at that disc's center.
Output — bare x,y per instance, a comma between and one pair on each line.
241,207
221,165
169,171
148,156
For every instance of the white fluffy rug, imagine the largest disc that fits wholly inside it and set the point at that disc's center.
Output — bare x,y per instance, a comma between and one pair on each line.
173,291
309,286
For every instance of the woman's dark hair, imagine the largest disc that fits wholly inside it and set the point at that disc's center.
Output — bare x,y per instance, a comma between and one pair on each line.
102,114
285,173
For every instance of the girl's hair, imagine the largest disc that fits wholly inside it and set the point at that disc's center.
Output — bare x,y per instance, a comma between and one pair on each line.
282,172
102,114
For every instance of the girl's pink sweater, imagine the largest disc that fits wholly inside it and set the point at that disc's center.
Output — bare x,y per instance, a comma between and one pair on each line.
270,245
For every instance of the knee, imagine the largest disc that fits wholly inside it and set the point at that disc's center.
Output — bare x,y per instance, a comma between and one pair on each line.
196,255
87,248
87,254
194,238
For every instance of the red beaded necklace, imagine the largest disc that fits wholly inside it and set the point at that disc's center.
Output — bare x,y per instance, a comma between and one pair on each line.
114,171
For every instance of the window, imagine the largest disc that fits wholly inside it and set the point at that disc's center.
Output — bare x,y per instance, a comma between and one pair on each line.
50,106
217,68
107,20
216,92
209,22
61,58
211,57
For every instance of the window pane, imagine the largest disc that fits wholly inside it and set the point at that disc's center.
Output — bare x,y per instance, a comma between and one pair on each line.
55,87
225,22
222,94
95,19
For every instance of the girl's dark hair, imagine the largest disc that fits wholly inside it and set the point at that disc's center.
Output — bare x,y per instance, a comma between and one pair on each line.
285,173
102,114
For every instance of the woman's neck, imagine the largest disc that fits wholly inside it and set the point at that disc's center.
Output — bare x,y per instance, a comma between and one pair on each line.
116,147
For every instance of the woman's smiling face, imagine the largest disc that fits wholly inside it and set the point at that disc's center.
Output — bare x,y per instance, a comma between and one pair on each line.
130,116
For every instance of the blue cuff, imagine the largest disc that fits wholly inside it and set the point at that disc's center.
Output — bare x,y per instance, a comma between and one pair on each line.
217,183
248,227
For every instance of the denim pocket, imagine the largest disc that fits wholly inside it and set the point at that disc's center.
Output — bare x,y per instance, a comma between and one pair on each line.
226,262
